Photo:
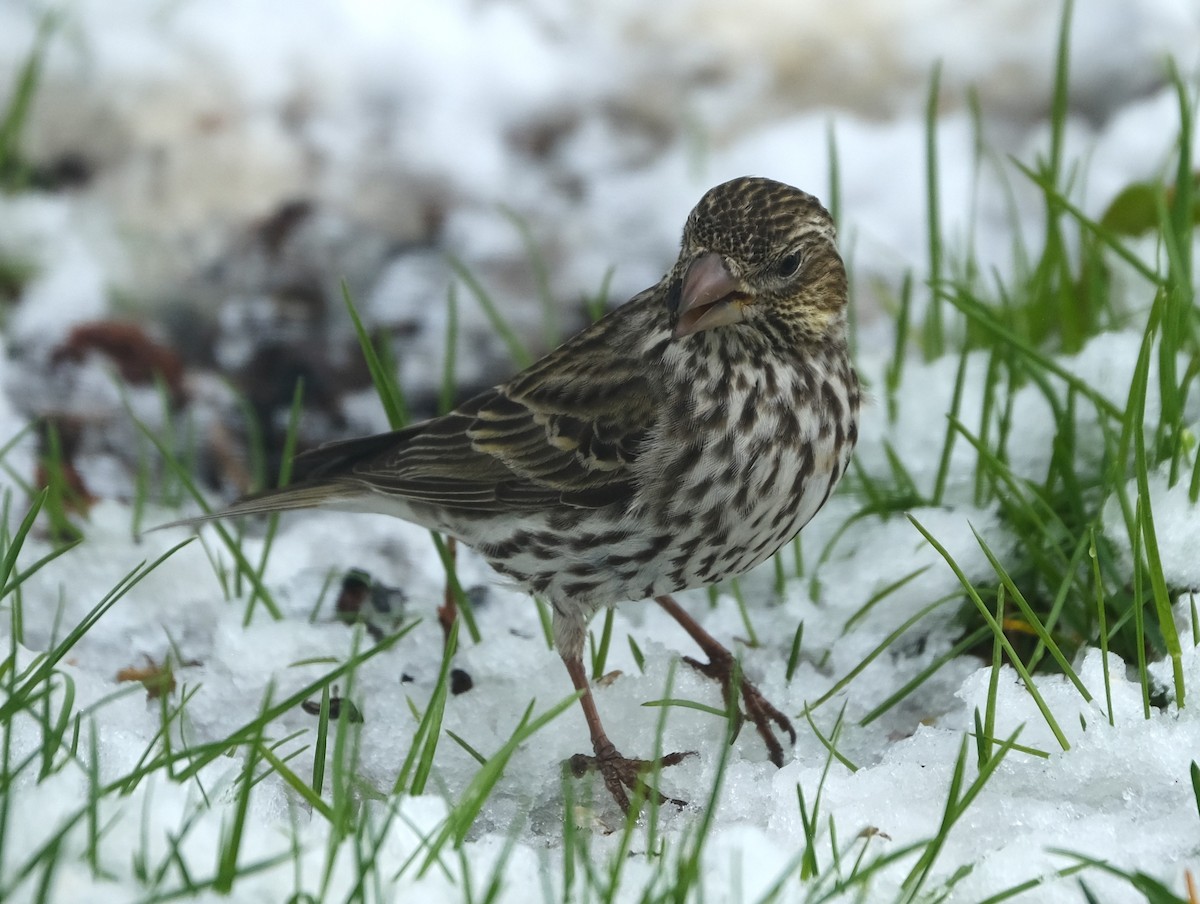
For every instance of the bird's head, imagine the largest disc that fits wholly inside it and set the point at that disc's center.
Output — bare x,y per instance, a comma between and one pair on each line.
761,254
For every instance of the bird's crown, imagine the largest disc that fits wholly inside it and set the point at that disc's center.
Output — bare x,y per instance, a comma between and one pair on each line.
751,218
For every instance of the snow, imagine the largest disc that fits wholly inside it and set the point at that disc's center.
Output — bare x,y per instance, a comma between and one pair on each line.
1176,526
598,125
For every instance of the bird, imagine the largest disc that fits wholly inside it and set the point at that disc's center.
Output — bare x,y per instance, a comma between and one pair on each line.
675,443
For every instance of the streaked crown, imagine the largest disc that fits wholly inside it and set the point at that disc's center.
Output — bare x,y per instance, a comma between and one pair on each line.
752,218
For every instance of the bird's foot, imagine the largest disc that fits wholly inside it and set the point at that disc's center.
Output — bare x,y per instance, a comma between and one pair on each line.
722,667
623,774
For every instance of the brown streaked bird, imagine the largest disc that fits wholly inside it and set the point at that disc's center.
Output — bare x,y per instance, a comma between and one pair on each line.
677,442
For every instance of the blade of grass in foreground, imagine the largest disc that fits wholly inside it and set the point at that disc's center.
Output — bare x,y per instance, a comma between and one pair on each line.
1134,435
957,803
1153,891
879,650
1031,617
232,545
476,794
392,398
301,788
231,836
201,755
998,632
419,762
15,545
968,642
45,666
1102,622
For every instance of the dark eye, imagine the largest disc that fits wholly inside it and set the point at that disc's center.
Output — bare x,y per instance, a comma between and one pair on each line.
789,265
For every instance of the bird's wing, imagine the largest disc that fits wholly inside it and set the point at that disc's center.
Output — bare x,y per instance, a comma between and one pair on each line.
566,431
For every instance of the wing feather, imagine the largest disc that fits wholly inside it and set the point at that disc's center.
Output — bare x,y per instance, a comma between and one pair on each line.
568,430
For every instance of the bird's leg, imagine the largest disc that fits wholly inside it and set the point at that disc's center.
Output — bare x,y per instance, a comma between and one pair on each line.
722,667
448,611
619,772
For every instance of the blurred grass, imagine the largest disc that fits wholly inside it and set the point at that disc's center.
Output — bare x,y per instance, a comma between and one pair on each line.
15,173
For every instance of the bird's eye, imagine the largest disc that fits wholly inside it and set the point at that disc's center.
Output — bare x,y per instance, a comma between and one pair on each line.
789,265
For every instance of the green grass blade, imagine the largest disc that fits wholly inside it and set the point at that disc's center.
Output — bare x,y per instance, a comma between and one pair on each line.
516,348
1031,617
419,762
381,375
998,632
475,795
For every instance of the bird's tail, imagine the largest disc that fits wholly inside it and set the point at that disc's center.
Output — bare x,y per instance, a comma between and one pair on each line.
318,494
322,480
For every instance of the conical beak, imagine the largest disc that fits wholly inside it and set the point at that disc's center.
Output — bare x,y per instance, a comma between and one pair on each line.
710,297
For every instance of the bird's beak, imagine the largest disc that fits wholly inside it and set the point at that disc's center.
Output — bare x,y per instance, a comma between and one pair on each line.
710,296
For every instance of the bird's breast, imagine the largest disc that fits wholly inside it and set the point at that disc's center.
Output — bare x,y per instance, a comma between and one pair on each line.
757,455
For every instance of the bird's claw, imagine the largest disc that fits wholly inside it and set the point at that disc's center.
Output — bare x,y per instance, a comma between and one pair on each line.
621,773
758,709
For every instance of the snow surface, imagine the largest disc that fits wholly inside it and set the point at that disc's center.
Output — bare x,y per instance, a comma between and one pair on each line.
600,125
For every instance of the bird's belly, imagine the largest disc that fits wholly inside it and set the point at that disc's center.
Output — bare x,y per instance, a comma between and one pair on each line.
699,531
605,561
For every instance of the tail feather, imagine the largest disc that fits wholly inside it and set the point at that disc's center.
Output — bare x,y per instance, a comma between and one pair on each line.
301,496
318,479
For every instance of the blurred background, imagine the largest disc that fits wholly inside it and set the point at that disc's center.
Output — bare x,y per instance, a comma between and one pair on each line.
187,184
